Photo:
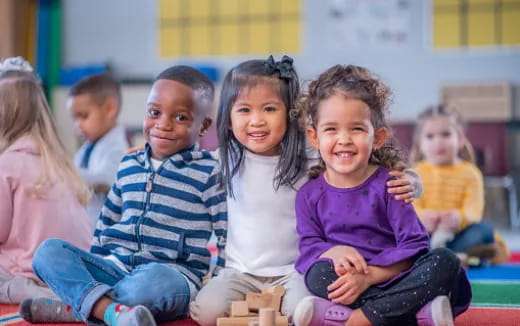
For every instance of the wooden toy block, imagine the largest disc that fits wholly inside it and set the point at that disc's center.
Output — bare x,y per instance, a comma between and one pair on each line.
239,309
244,321
277,290
269,298
266,317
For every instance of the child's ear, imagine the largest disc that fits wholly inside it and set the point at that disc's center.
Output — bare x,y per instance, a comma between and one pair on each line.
205,125
111,107
380,137
312,135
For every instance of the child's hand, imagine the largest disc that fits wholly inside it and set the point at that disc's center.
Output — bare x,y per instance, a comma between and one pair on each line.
346,259
430,219
134,149
348,287
403,187
100,188
450,221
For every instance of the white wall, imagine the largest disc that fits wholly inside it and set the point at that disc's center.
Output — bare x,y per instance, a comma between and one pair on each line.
124,33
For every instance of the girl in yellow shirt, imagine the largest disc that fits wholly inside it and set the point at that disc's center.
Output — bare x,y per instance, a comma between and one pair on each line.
453,200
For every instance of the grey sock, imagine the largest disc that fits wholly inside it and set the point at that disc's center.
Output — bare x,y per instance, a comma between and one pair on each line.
135,316
43,310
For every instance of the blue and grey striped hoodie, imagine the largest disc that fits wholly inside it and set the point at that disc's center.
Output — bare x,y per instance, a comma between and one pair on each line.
164,216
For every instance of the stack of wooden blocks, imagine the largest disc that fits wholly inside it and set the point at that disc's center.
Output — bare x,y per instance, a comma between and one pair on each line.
259,309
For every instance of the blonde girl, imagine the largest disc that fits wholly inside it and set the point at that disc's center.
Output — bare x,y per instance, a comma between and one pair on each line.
42,194
453,202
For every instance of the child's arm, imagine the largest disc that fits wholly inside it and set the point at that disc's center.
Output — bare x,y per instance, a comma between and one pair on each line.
473,205
6,209
215,201
104,171
312,240
348,287
407,186
411,238
110,215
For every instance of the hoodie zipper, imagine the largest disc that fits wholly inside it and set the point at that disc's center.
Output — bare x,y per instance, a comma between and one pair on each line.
148,189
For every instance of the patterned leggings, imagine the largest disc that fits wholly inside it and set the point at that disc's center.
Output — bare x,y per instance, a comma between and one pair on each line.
431,275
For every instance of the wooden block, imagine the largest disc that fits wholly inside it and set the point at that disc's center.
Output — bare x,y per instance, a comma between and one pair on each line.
255,301
244,321
239,309
275,290
266,317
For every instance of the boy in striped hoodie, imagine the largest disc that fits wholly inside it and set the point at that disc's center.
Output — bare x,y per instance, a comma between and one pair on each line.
148,254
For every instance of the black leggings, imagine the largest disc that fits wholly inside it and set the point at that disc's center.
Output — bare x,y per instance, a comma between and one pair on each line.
431,275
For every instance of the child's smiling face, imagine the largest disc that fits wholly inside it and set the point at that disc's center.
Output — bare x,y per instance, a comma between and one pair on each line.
345,137
173,119
259,119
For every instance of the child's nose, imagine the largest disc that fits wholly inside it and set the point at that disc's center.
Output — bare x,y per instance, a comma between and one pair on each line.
344,138
257,119
164,124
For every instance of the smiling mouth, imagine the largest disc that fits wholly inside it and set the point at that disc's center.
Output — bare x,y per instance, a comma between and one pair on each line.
257,135
162,138
344,154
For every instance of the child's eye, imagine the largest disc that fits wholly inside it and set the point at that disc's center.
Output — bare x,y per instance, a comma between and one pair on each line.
269,109
446,134
358,129
329,129
181,117
243,110
153,113
429,136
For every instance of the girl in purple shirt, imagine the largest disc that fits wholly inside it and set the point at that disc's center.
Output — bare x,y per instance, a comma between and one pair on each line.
364,254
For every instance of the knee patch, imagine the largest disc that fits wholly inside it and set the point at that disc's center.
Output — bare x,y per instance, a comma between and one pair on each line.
319,276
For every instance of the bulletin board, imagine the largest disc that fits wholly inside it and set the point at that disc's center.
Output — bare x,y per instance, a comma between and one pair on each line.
475,23
228,27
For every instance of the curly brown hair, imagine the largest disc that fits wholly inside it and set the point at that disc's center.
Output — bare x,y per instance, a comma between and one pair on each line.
359,83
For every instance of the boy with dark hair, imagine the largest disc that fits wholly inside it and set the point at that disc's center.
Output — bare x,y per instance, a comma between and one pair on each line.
94,103
149,251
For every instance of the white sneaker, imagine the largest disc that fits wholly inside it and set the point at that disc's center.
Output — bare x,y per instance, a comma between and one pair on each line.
436,313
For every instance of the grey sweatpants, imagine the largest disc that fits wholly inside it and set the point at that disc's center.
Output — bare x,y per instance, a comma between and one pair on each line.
214,299
15,288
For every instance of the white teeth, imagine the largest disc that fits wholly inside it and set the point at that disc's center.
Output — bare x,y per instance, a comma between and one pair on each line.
258,134
344,154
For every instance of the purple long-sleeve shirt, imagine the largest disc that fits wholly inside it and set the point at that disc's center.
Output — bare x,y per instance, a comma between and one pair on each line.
384,230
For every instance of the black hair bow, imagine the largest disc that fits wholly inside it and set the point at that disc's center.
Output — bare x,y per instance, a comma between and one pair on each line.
284,66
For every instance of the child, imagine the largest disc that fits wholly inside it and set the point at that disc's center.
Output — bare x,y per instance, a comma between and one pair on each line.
94,103
453,201
364,254
149,252
262,150
42,194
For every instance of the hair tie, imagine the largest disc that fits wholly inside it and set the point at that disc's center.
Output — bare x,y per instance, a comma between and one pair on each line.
284,66
15,64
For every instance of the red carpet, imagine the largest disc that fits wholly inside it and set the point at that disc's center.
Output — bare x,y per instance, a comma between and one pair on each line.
9,316
475,316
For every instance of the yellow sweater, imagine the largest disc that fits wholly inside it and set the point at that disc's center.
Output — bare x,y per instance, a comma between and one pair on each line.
459,187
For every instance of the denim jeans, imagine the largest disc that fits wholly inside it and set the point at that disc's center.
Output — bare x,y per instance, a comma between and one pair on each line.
80,279
473,235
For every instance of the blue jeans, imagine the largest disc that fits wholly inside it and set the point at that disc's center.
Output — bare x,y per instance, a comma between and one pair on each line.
473,235
80,279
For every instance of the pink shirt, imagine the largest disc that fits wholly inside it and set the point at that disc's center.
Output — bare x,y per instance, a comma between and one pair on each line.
25,222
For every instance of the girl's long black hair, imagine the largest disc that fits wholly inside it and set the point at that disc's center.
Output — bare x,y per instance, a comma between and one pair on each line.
283,78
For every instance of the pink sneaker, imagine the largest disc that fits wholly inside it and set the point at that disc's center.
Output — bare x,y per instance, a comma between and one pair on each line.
436,313
315,311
